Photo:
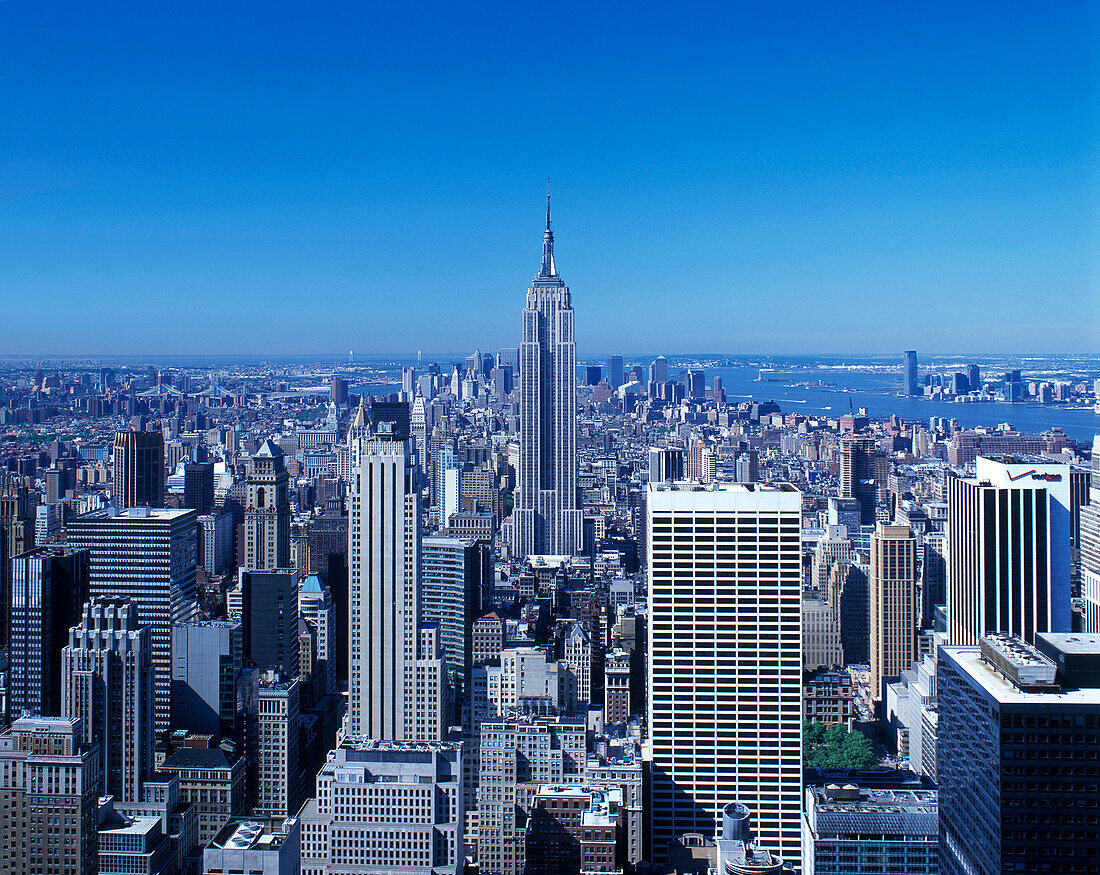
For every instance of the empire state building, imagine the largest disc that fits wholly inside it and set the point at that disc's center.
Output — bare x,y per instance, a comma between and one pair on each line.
547,519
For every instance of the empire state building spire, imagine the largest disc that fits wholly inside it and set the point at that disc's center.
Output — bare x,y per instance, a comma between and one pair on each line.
548,268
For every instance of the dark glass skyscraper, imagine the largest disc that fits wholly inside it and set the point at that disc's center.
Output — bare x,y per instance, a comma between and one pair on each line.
1018,732
909,384
138,469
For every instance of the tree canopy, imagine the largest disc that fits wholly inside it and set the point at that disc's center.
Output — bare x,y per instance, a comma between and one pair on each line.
834,747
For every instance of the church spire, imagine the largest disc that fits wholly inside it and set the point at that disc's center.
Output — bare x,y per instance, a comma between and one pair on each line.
548,268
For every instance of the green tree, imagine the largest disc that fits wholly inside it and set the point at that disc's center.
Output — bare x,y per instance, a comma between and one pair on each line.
834,747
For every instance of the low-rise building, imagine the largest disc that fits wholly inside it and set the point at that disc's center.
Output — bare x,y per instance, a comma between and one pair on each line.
385,807
852,829
255,846
213,782
827,697
574,829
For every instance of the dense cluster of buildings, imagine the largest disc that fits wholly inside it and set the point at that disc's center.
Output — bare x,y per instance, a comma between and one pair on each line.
515,617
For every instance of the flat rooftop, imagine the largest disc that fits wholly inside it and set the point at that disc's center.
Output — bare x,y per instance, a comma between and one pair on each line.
1074,642
244,835
1004,691
720,486
873,800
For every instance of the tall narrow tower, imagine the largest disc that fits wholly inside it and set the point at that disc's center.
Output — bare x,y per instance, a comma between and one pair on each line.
397,677
267,518
138,477
547,518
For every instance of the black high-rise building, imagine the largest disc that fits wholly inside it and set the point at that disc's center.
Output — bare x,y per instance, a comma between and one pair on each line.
615,371
1018,732
198,486
270,619
49,589
857,475
396,412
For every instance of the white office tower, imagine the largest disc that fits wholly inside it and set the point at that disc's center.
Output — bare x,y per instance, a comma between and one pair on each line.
385,701
448,483
148,556
725,668
385,808
418,425
547,518
1008,550
1090,547
107,684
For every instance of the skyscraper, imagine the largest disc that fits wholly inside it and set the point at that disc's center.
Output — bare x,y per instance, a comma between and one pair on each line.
909,384
147,556
107,683
665,464
893,583
270,619
138,477
48,825
1089,540
615,371
279,786
315,605
857,475
547,518
49,589
267,517
1008,549
17,535
207,657
198,486
452,577
1017,739
384,594
725,668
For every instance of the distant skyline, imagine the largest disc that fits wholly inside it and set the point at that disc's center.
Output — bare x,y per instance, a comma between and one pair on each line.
276,178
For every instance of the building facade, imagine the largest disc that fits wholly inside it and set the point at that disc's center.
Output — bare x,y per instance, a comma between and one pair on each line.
893,585
50,781
452,575
107,684
49,586
1008,531
207,657
149,557
853,829
725,659
267,514
1019,728
280,790
138,473
385,594
386,807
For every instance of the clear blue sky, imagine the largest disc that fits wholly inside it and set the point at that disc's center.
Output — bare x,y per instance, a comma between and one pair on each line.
297,177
